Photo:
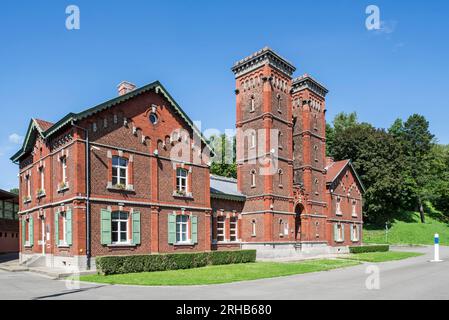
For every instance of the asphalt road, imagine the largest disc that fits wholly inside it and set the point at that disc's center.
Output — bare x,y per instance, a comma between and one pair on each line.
414,278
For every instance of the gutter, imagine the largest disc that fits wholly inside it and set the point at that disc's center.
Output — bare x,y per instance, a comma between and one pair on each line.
88,228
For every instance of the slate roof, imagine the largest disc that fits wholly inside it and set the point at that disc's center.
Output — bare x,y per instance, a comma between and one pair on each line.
225,188
46,129
334,170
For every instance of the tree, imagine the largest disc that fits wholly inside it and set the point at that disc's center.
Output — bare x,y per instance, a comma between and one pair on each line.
377,158
223,162
341,122
417,143
437,184
15,191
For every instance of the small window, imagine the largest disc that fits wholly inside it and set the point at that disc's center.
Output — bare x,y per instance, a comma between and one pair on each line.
119,171
181,179
182,227
221,228
64,169
253,178
105,122
94,127
280,174
253,140
119,227
233,225
153,118
338,207
280,142
279,103
253,228
115,119
354,208
355,233
252,107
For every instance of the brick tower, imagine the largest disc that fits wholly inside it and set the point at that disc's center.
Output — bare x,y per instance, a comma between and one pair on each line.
309,158
264,145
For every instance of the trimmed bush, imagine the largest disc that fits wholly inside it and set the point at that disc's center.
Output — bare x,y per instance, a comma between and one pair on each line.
373,248
163,262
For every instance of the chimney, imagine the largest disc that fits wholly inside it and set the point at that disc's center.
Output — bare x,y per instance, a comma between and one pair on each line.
125,87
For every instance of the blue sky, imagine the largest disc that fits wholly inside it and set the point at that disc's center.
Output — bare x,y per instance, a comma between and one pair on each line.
47,71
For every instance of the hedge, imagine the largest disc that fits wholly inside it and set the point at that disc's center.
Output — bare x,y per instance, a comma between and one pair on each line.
162,262
373,248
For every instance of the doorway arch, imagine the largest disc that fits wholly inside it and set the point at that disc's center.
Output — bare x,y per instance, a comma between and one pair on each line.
299,210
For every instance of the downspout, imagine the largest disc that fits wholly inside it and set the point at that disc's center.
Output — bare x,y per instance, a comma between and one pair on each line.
88,246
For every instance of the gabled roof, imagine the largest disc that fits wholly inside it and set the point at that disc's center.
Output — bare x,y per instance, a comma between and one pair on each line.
46,129
335,169
225,188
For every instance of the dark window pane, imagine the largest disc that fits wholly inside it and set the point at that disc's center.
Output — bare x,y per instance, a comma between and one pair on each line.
123,236
115,215
114,237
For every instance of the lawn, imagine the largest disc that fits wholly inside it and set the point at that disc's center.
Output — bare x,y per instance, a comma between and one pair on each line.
382,256
221,274
409,230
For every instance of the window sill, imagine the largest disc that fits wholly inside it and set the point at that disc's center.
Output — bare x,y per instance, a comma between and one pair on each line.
63,246
339,214
28,246
121,245
339,241
40,196
354,216
188,195
64,189
26,201
180,244
116,189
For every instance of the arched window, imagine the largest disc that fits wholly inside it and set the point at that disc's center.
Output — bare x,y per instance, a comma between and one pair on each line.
338,207
252,104
253,139
280,174
280,139
315,152
279,104
253,178
354,208
253,228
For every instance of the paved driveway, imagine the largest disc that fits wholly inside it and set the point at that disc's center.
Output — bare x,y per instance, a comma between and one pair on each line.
414,278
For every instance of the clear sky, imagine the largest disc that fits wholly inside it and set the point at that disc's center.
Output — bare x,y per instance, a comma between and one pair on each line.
47,71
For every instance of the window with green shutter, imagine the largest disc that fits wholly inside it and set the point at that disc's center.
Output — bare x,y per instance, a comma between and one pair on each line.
194,229
56,228
105,227
342,232
136,227
31,231
68,231
171,228
23,231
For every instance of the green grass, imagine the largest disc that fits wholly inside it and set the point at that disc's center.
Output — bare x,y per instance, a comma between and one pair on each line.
382,256
221,274
410,230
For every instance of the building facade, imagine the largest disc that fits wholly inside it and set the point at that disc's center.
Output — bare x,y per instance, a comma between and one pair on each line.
132,176
9,222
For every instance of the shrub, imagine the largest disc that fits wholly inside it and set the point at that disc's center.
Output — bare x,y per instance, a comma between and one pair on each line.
374,248
162,262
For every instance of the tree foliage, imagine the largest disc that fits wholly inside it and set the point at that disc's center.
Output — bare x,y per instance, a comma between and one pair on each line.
223,162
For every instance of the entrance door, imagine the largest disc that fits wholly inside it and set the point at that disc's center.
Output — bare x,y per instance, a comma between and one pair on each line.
298,211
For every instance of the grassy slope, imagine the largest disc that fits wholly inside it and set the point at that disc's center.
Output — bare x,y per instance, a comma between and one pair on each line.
220,274
382,256
409,230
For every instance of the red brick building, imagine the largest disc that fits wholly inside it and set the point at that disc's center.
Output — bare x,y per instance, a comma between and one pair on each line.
9,224
131,176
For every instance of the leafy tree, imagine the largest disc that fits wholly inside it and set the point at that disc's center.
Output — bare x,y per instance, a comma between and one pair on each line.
417,143
377,157
437,184
15,191
341,122
224,162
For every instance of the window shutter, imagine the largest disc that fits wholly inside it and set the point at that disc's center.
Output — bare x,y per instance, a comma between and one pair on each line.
342,232
23,231
194,229
31,231
68,234
106,227
335,232
359,227
171,228
56,228
136,227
